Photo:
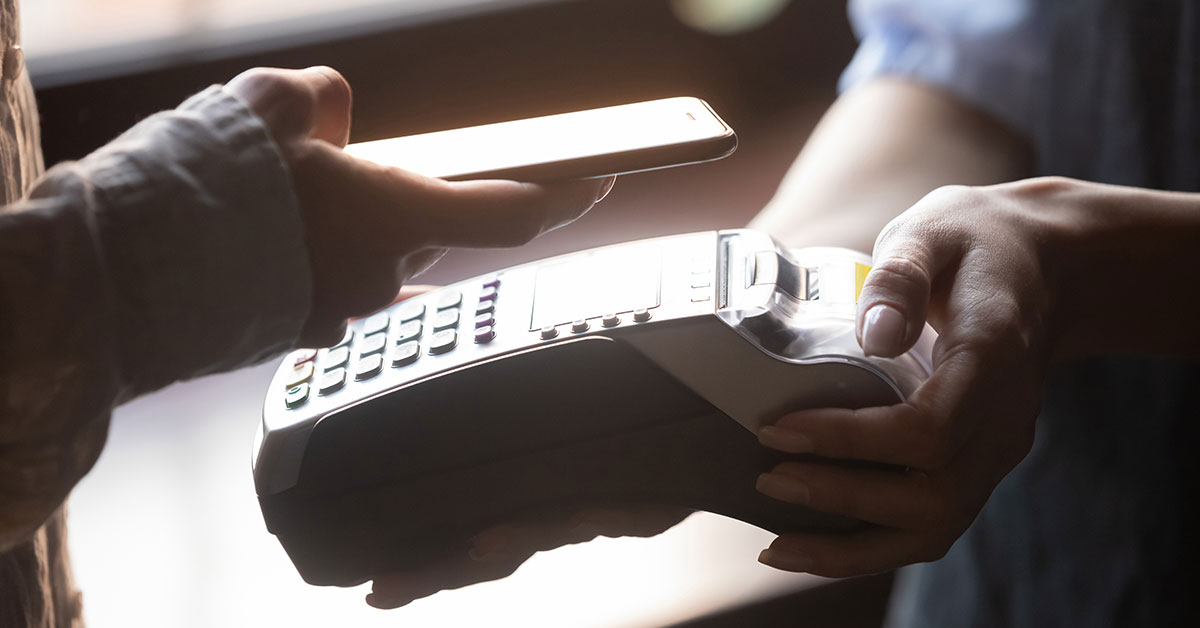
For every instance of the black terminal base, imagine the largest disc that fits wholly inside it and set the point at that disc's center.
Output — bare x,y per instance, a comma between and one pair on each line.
405,478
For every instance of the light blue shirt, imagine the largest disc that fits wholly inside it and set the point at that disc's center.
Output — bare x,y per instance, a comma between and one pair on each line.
986,52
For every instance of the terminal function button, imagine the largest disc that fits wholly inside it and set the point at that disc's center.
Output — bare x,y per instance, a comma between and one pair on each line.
485,307
332,381
301,373
700,296
368,367
445,320
701,280
303,355
492,283
610,320
335,358
443,341
408,331
549,332
484,320
488,295
449,300
406,353
484,335
375,323
372,344
641,315
410,311
579,326
296,395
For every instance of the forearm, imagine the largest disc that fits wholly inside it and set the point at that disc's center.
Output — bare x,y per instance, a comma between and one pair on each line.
879,149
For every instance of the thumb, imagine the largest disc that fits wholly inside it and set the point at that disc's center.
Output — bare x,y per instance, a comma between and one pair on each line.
894,301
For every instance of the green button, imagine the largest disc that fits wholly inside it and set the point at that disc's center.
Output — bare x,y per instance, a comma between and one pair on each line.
296,396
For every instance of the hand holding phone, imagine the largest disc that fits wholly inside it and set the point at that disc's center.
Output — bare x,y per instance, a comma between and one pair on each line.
579,145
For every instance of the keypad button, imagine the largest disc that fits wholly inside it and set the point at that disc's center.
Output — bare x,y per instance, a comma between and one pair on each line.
484,320
580,326
406,353
335,358
484,335
368,367
302,356
449,300
610,320
410,311
443,341
548,332
492,283
700,296
332,381
375,323
409,331
445,320
301,373
296,396
489,294
641,315
345,339
372,344
485,307
701,281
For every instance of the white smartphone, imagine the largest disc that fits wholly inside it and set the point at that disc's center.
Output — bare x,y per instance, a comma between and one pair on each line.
578,145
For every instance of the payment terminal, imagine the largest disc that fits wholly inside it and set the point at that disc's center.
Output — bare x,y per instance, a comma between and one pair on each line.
628,374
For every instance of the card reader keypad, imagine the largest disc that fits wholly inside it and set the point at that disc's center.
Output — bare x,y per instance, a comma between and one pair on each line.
395,338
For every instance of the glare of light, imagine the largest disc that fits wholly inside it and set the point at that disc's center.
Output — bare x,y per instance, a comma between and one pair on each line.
726,17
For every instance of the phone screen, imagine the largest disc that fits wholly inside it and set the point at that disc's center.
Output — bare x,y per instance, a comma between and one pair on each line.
556,138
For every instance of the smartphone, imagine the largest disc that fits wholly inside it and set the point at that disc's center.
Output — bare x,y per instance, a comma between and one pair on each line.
578,145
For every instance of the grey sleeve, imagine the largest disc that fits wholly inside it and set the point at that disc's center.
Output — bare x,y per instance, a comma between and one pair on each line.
174,251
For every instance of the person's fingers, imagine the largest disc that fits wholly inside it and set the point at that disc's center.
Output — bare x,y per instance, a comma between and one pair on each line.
633,520
298,104
409,291
334,103
909,254
843,555
924,432
507,213
423,260
451,572
892,498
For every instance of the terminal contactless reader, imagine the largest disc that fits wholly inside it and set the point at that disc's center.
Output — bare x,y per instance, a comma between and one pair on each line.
628,374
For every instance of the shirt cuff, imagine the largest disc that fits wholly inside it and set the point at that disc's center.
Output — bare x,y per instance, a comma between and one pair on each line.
202,239
990,59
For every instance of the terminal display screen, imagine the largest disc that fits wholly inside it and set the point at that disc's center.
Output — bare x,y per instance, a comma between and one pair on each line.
612,281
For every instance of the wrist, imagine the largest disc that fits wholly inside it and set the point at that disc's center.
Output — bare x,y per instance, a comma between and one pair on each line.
1112,257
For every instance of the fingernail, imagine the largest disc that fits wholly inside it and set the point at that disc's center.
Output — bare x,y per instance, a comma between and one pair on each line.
787,560
606,189
883,331
782,487
785,440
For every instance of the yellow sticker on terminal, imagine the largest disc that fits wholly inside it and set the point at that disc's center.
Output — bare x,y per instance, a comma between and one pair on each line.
860,277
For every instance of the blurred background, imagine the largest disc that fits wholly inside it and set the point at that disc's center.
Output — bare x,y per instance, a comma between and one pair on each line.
166,530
